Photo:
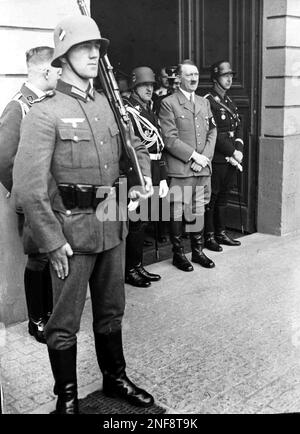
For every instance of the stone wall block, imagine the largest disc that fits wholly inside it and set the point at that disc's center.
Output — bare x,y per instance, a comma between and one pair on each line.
274,92
292,121
273,121
275,32
274,62
276,7
292,31
292,67
293,7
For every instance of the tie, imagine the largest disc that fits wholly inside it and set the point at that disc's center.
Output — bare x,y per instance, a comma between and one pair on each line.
192,99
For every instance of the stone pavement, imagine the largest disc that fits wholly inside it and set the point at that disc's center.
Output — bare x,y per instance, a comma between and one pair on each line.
225,340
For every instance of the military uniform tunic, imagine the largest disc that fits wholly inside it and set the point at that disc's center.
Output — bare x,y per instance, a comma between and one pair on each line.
138,112
69,138
10,123
229,126
187,128
158,166
229,139
73,138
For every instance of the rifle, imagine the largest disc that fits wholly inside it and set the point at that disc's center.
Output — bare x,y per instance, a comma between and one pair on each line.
129,163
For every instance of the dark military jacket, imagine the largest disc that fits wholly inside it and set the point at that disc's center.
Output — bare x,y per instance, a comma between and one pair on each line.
69,138
10,123
186,129
229,126
158,167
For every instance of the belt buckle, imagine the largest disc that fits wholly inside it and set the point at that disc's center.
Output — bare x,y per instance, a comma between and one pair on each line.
231,133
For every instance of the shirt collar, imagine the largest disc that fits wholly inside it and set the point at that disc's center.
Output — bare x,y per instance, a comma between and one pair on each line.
74,91
187,94
39,93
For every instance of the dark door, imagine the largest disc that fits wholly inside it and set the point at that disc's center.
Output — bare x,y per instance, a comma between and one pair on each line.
212,30
163,32
141,32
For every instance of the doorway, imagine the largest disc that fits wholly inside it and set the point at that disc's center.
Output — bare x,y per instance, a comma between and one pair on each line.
157,33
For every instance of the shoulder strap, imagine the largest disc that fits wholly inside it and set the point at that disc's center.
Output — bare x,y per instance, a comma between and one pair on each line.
24,107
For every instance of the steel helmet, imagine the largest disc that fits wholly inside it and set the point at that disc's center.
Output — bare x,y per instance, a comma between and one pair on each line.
220,68
75,30
140,75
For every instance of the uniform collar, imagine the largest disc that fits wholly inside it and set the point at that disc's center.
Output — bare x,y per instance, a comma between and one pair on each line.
38,92
187,94
74,91
186,102
29,93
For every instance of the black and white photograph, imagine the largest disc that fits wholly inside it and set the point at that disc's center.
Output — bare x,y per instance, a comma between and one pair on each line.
149,210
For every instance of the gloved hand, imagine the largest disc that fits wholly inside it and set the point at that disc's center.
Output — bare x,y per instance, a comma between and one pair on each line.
196,167
235,163
238,156
200,159
163,188
137,193
133,204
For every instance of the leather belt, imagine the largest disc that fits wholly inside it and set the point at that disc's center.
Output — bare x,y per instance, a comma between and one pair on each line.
83,195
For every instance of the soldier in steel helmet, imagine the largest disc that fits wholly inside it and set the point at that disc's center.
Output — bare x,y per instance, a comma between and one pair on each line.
60,174
146,127
227,158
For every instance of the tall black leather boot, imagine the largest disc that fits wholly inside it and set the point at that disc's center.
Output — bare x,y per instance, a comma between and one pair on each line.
34,289
116,384
152,277
47,293
63,364
210,242
179,259
209,230
221,236
197,244
134,255
161,231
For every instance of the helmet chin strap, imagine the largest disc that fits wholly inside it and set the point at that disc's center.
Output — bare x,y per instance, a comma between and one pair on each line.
220,85
142,101
73,69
